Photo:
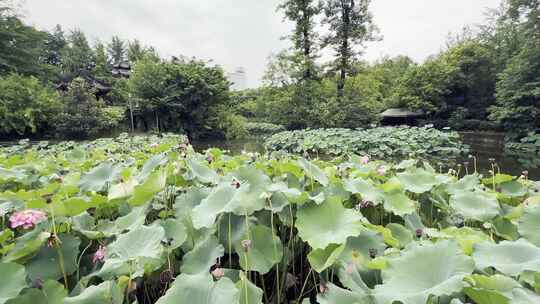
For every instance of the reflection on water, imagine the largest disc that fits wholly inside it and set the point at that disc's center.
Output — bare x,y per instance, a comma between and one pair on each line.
484,146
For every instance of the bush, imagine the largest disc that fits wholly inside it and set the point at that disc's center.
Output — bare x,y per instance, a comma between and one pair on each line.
382,143
26,106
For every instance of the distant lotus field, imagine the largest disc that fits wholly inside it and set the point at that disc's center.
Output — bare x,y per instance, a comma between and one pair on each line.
146,219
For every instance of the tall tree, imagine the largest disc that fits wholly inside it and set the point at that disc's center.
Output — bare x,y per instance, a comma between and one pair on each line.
20,45
304,36
55,42
78,56
117,50
102,69
350,25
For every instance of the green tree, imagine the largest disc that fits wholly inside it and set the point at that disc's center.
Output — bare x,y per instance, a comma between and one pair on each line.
102,69
350,25
78,56
304,36
181,95
82,115
136,51
20,45
26,105
54,44
117,50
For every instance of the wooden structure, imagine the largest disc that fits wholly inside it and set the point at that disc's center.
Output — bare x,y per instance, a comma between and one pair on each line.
400,116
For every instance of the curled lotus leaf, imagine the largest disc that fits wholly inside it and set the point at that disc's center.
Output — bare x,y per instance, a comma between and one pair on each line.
200,289
99,177
201,172
321,259
422,271
508,257
328,223
313,171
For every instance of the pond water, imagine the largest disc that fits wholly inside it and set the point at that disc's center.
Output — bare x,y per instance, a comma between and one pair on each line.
484,146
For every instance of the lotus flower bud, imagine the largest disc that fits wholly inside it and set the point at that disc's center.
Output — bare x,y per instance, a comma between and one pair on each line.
99,255
381,170
246,244
419,233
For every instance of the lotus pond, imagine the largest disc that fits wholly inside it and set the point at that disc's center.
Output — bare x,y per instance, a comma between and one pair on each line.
150,220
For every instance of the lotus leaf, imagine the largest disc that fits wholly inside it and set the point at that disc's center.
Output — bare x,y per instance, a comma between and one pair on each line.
12,281
510,258
475,205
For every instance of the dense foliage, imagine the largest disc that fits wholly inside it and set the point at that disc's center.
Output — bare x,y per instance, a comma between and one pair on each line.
148,220
26,105
380,143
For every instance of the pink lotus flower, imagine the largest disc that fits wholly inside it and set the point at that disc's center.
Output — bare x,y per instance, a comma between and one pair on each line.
364,160
27,218
99,255
381,170
218,273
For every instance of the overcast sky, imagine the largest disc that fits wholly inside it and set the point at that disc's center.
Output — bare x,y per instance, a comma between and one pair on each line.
242,33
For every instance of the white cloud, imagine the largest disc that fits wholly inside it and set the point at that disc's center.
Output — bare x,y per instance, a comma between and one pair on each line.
244,32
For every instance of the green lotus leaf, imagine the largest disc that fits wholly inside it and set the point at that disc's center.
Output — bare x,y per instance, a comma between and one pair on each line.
134,219
386,234
152,163
99,177
477,205
368,191
486,296
265,251
145,192
423,271
46,264
336,295
175,230
27,245
122,190
524,296
498,179
232,229
320,259
504,228
513,189
358,249
106,292
51,292
401,233
200,289
417,180
328,223
201,172
203,256
529,224
399,204
134,252
249,292
73,206
496,282
12,281
467,183
466,237
245,200
510,258
313,171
